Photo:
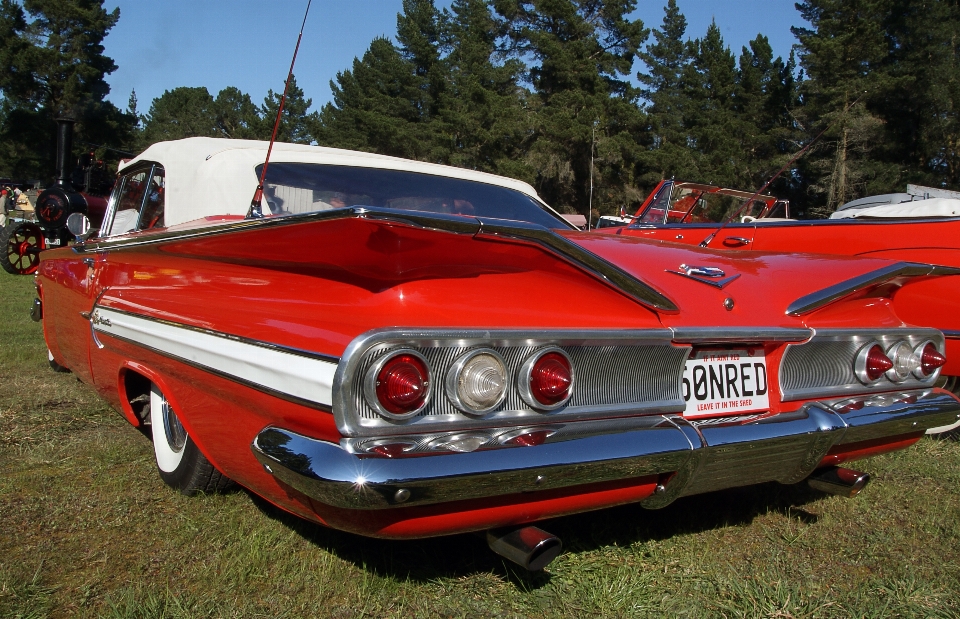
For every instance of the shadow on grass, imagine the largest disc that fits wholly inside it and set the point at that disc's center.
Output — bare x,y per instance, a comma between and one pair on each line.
462,555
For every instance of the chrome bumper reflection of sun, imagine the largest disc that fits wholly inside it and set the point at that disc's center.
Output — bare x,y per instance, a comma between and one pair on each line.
705,455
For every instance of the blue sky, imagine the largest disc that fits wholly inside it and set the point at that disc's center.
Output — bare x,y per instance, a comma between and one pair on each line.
159,46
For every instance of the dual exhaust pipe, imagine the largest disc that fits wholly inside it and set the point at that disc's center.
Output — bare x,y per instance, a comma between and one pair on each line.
533,549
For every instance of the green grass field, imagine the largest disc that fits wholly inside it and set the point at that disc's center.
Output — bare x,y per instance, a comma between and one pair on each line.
87,529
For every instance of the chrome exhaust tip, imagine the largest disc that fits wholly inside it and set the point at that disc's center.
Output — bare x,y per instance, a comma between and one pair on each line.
529,547
839,481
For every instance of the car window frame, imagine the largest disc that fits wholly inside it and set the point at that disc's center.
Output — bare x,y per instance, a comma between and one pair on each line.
150,167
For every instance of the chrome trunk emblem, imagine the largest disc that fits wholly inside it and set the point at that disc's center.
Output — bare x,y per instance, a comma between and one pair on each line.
712,276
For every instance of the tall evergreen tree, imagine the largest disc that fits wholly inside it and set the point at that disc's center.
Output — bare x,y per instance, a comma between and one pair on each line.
183,112
296,123
375,106
582,51
237,116
923,111
846,56
484,124
668,59
713,122
53,65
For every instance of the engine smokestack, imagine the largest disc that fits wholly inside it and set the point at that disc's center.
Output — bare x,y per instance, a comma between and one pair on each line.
64,153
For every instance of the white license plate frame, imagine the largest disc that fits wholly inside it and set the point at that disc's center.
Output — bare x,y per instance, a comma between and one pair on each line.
720,383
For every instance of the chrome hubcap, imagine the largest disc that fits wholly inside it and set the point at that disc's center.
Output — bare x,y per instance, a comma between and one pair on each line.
172,428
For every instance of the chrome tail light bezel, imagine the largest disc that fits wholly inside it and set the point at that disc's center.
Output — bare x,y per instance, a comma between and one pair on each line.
618,373
833,362
452,381
370,385
525,375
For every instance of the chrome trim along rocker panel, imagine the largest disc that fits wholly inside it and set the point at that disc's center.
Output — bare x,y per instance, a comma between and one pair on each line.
706,456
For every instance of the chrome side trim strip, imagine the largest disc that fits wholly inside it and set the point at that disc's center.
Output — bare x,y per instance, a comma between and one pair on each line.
548,239
720,335
953,335
711,456
820,298
266,366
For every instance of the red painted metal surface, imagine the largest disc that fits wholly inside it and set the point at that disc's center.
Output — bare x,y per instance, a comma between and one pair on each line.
349,276
933,302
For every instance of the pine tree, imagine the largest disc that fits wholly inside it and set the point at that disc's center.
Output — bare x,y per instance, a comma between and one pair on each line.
765,101
53,65
483,124
238,117
375,106
846,56
923,111
713,123
180,113
668,61
583,50
296,124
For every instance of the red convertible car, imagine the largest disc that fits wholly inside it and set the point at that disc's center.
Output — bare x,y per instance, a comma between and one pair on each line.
925,231
401,349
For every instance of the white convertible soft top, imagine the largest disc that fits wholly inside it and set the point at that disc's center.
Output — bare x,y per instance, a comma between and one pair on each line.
933,207
212,176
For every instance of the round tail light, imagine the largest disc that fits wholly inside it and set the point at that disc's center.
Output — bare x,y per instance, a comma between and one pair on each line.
477,382
871,363
398,386
930,360
903,362
546,379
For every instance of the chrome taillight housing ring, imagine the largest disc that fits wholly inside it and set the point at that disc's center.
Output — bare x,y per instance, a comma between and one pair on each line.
526,375
919,351
866,374
905,361
373,385
477,382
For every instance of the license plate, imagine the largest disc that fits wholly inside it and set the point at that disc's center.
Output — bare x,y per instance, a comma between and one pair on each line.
53,242
725,382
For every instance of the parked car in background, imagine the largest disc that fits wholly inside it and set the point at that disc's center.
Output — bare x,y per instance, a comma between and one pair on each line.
907,231
401,349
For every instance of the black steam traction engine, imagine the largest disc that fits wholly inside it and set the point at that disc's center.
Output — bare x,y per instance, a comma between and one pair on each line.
84,190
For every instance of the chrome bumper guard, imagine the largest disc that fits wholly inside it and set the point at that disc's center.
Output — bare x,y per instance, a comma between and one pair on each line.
706,455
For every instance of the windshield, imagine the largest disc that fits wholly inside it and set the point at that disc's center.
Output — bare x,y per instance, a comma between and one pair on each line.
296,188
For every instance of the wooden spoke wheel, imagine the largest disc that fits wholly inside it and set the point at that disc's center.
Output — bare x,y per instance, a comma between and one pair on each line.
20,247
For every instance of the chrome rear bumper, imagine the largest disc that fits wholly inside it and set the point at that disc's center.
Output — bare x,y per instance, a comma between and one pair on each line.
706,455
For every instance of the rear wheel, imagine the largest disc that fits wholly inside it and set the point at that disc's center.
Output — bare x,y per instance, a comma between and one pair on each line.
180,463
20,247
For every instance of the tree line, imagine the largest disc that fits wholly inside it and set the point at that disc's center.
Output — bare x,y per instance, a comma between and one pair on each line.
563,94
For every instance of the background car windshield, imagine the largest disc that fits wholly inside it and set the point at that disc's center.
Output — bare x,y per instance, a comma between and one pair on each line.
295,188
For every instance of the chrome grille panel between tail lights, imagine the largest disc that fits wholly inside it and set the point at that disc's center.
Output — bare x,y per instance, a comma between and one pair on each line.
824,366
616,373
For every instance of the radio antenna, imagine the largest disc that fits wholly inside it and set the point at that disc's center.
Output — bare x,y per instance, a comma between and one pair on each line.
256,208
713,234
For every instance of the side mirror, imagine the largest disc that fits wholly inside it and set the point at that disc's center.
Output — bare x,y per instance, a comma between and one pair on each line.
79,226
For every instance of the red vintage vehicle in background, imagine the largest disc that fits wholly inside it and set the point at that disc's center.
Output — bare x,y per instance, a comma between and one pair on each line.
78,189
401,349
917,230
